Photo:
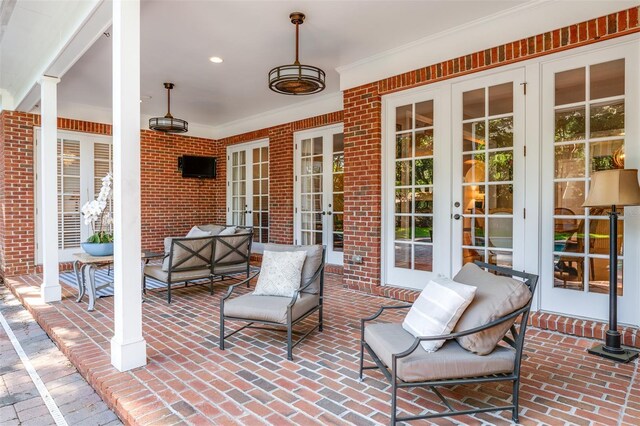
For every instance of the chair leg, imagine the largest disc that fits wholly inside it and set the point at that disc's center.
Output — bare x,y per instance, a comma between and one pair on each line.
320,318
168,292
361,361
394,396
221,338
211,286
516,390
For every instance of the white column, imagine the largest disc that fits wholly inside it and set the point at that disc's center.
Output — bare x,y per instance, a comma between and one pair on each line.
128,348
50,288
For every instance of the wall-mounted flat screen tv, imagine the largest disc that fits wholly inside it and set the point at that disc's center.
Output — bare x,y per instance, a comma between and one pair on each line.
198,167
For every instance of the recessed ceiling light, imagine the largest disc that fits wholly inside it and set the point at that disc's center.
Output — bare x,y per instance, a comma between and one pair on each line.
216,59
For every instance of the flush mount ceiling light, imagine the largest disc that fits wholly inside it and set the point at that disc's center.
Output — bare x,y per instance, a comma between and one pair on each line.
168,124
216,59
296,79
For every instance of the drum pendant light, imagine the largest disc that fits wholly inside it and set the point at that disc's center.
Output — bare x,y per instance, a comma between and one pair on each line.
297,79
168,124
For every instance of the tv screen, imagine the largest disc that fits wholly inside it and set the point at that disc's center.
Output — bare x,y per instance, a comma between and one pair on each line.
198,167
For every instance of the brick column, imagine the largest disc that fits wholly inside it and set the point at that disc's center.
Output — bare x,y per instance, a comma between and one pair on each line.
281,184
362,186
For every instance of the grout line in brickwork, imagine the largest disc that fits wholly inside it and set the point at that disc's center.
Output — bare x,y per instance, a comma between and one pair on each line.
623,408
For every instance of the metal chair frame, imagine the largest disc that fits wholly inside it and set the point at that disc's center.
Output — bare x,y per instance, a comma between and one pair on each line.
516,341
275,326
220,239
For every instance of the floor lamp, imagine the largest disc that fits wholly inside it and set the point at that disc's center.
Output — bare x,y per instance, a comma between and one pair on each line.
613,188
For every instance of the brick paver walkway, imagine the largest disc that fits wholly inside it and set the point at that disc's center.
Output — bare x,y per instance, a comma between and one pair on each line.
188,380
20,401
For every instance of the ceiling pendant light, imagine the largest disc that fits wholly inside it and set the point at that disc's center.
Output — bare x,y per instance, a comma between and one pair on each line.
296,79
168,124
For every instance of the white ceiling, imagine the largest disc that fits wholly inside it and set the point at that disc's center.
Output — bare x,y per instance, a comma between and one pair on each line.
365,40
252,37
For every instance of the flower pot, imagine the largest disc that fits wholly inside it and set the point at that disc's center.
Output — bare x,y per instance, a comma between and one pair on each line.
98,249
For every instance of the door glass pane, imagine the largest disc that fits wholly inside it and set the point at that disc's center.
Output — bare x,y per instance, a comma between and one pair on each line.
311,175
336,205
238,188
414,185
581,236
261,194
607,79
487,189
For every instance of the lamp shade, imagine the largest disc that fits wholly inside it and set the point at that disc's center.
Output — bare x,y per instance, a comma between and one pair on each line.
616,187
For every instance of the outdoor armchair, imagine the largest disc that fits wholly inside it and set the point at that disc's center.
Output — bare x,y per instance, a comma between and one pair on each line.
405,364
277,313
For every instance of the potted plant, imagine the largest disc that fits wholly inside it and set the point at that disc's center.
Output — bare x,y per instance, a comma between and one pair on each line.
96,214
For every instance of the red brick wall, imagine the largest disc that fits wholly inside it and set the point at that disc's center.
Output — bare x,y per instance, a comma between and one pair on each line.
280,170
170,204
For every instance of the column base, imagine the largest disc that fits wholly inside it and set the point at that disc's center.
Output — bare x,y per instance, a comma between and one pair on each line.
128,356
628,354
51,293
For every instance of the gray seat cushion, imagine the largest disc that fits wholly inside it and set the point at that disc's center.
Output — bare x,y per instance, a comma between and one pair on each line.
311,263
155,271
269,308
496,296
451,361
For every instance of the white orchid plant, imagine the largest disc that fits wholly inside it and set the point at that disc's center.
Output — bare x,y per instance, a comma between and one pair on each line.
96,214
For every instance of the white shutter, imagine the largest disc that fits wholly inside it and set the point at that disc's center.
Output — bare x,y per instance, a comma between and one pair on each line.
68,193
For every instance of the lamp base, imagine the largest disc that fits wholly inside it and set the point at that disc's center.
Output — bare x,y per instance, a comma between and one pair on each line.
628,353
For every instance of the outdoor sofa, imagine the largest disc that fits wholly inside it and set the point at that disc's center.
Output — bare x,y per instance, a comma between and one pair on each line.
200,258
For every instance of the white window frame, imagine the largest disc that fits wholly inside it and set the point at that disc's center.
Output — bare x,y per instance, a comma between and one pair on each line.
87,192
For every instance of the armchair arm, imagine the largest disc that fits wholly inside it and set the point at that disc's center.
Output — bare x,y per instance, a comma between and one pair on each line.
382,309
450,336
232,287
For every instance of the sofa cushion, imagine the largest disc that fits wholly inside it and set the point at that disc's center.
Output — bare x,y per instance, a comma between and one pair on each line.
269,308
155,271
211,228
200,245
280,273
449,362
437,310
311,263
496,296
230,230
197,232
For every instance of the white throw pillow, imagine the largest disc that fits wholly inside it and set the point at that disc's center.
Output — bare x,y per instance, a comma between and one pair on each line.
280,273
197,232
437,310
228,231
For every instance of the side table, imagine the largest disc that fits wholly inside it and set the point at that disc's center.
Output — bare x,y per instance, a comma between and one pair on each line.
85,266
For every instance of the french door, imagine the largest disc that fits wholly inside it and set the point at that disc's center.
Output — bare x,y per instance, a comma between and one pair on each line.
319,190
416,189
454,178
488,184
248,188
589,123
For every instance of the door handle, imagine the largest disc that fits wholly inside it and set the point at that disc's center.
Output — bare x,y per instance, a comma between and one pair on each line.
457,216
324,213
329,213
247,212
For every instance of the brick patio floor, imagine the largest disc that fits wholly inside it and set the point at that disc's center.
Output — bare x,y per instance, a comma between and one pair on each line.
188,380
